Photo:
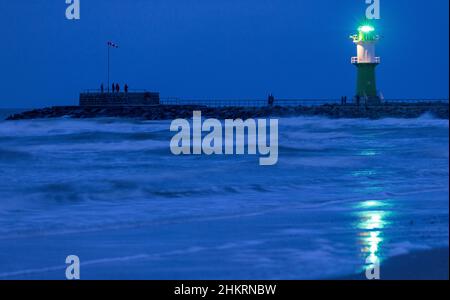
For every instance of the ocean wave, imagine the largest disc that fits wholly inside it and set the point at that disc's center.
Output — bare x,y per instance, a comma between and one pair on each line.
317,123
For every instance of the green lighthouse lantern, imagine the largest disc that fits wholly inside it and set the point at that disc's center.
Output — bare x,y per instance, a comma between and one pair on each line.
366,62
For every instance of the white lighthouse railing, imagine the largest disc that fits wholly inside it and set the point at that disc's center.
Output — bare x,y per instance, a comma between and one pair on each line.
357,60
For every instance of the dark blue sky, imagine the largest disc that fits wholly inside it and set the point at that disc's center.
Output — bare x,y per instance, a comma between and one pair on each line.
217,49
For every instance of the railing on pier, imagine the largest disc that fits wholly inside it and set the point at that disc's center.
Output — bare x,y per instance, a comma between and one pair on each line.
415,101
247,102
357,60
288,102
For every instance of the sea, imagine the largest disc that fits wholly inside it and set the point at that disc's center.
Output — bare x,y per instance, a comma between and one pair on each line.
345,193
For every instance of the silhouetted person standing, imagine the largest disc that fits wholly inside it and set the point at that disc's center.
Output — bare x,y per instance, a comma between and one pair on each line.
125,88
358,100
102,89
271,100
117,88
113,87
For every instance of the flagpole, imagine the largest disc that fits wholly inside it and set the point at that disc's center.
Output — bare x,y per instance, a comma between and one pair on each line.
108,67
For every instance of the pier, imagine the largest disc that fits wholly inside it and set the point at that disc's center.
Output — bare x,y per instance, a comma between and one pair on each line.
243,110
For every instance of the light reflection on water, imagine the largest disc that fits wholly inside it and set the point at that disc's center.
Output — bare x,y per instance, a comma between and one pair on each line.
368,152
374,240
364,173
372,216
371,237
372,220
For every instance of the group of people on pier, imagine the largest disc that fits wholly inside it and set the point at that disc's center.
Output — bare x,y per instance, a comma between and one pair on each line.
115,88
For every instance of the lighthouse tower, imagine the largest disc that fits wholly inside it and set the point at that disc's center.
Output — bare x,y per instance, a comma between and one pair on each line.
366,62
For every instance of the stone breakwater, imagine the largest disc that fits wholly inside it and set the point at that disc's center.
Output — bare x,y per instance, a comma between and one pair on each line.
170,112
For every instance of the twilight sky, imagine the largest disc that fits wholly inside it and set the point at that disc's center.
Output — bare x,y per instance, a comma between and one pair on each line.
217,48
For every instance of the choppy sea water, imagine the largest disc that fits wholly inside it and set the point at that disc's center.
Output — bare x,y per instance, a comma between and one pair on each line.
344,193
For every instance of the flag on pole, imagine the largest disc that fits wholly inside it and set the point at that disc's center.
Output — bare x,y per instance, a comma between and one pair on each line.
111,44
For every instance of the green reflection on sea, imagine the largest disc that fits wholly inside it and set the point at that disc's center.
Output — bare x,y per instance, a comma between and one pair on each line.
372,219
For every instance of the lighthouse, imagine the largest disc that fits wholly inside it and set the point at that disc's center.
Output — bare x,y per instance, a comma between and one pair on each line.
366,61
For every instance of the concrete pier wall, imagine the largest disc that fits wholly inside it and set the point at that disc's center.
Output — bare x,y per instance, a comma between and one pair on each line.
171,112
119,99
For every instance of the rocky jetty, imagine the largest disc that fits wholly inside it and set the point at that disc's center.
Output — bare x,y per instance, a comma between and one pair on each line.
170,112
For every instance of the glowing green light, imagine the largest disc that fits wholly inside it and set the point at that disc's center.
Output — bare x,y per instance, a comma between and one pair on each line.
366,28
